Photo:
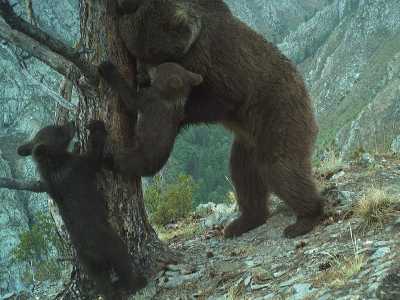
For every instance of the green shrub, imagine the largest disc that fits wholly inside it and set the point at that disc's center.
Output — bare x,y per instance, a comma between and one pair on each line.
38,247
170,202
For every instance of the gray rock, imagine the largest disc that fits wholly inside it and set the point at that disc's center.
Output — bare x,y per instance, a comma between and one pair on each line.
221,214
367,159
346,196
301,290
172,282
380,252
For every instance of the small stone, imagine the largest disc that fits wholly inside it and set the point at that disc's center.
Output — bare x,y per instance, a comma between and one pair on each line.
381,243
367,159
301,290
255,287
346,196
380,252
278,274
338,175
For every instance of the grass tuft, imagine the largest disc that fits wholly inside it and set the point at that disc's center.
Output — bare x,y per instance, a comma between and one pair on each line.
374,209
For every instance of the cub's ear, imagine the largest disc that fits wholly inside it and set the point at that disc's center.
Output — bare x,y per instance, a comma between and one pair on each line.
195,79
25,150
39,150
175,82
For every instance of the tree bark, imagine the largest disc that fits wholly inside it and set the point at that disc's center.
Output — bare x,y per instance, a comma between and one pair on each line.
124,196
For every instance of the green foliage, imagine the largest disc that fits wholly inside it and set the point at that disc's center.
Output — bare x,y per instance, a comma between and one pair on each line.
169,202
38,246
203,153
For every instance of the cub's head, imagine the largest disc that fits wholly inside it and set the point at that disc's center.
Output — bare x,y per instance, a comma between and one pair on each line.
54,139
159,30
173,81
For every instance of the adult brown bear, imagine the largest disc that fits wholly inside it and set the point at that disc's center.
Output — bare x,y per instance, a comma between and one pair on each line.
249,87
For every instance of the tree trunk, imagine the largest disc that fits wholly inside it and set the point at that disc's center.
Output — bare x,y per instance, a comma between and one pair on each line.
123,196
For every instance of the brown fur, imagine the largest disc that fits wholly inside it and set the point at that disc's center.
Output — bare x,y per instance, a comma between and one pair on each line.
251,88
162,111
71,180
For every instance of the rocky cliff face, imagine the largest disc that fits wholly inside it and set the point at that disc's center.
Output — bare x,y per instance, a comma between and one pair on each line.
28,97
348,52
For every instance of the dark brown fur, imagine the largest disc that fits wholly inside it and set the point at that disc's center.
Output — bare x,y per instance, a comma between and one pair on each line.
162,111
249,87
71,180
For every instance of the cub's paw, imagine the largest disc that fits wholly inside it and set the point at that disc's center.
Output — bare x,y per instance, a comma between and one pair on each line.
96,125
107,70
143,79
108,162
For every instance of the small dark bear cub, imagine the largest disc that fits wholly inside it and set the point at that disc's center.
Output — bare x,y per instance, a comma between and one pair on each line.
162,108
71,182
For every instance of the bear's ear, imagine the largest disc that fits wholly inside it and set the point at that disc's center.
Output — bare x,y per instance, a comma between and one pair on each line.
39,151
195,79
25,150
175,82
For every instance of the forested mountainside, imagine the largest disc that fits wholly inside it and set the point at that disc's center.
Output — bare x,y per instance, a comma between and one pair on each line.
347,50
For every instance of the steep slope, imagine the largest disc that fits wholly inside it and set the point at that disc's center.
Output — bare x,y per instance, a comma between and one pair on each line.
349,54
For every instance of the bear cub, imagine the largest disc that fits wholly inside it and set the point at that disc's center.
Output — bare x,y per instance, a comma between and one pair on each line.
71,182
162,110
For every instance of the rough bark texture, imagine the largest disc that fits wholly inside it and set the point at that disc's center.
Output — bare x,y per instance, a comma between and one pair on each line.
124,196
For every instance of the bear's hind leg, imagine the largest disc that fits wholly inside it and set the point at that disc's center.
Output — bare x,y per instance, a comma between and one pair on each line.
252,192
292,181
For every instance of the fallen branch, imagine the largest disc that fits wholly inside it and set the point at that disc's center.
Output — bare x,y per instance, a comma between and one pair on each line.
45,40
34,186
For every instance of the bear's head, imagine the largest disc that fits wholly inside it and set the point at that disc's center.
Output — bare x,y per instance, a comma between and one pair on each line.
50,139
173,81
160,30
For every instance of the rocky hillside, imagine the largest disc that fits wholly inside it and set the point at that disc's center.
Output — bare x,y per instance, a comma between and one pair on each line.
349,54
28,97
354,254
